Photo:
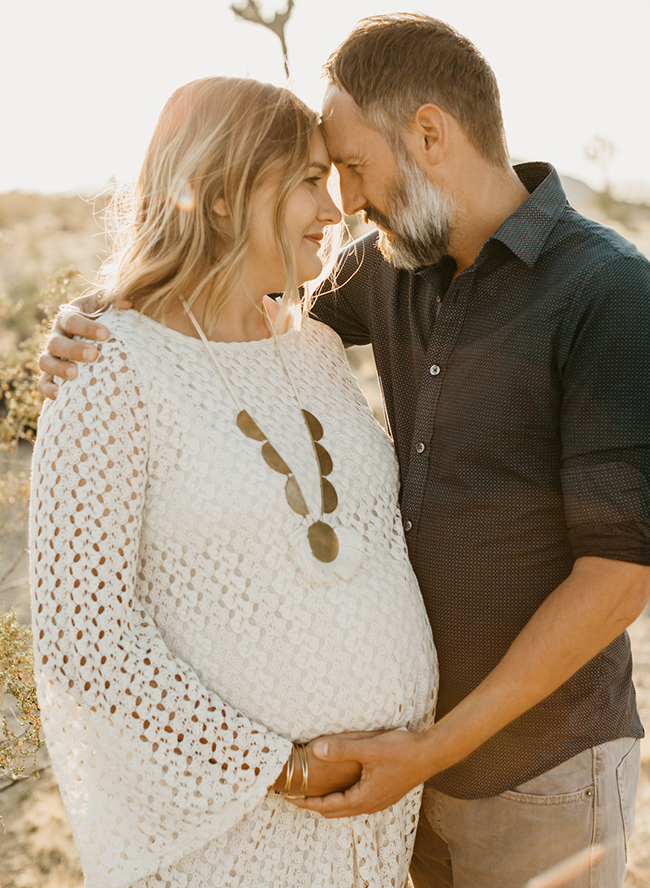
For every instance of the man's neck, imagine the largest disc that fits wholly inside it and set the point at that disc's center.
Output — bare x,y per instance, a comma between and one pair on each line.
487,197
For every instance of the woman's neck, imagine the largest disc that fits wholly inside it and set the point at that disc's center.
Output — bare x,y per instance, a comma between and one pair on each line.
241,319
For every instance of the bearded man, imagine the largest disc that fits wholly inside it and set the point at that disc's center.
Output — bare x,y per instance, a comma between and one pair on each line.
511,337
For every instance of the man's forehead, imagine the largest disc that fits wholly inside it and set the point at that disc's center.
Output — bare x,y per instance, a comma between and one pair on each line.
342,124
340,106
343,143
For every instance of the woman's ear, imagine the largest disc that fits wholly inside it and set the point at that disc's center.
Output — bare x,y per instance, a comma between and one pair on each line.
220,208
222,221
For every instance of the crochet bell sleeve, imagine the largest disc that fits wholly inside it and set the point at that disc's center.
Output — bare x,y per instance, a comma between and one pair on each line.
151,764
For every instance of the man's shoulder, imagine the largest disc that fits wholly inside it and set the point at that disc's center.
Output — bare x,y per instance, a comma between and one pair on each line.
362,271
364,241
360,252
600,275
592,244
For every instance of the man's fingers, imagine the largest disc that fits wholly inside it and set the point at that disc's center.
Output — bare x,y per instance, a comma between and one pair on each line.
323,804
47,388
54,367
348,748
336,804
72,323
333,750
62,349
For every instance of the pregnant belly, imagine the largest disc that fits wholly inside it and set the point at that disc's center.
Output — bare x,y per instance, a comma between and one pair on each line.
306,662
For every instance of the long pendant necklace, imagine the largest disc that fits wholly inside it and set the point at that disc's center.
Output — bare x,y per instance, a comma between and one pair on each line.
323,540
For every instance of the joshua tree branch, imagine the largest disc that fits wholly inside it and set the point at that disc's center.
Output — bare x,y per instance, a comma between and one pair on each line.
250,12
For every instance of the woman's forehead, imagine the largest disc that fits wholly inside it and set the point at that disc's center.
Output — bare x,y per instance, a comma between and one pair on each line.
318,153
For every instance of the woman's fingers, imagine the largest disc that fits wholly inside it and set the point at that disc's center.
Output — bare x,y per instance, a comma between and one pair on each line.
326,778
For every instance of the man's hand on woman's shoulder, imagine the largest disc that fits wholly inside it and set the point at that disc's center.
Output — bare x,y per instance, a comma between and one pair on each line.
62,351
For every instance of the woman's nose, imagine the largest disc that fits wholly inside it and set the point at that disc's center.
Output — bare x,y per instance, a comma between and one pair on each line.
329,212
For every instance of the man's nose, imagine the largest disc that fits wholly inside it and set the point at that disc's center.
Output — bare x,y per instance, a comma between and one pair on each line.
353,200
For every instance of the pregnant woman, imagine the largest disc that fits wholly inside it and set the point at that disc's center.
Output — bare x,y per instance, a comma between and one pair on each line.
218,569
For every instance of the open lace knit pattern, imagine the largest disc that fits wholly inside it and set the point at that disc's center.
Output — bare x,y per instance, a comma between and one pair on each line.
184,633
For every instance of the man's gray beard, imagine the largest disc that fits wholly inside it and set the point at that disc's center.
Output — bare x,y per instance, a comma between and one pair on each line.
416,228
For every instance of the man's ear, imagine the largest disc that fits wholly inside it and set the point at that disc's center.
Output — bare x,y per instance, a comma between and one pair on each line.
428,135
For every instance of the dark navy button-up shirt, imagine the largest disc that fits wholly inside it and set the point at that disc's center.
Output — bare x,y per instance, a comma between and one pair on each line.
518,397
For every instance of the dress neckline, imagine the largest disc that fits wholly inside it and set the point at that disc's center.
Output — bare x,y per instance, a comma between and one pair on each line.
286,337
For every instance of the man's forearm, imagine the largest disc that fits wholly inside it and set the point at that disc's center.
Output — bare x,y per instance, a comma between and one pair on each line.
581,617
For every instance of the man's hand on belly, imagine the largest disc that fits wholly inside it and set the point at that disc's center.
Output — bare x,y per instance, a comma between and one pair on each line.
393,763
325,777
586,612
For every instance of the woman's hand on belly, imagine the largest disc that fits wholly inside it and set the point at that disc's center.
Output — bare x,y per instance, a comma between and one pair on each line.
324,777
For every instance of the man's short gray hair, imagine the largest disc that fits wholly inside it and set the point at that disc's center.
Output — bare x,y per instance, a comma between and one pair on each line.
391,65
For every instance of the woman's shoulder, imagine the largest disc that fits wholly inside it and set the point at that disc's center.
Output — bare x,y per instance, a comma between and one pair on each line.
323,334
126,326
142,342
108,387
119,368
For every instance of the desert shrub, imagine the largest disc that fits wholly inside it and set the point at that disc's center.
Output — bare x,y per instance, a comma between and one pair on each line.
20,737
20,406
19,400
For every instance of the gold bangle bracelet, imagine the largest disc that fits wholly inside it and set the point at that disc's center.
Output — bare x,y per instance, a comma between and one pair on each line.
304,768
290,769
305,773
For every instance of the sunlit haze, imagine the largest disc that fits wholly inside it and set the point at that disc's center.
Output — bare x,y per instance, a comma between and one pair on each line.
83,82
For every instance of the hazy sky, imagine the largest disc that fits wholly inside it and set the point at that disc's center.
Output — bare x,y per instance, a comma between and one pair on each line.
82,82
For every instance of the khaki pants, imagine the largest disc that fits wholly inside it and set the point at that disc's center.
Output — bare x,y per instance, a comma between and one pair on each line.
567,828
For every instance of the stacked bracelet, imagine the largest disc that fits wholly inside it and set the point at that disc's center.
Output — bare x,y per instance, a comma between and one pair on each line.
290,767
301,750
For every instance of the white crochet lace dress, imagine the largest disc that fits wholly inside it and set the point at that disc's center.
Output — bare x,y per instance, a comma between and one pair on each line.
184,633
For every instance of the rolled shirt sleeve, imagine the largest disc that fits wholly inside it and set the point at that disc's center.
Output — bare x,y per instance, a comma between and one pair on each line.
605,421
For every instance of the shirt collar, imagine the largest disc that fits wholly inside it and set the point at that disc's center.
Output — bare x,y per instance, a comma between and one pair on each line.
526,230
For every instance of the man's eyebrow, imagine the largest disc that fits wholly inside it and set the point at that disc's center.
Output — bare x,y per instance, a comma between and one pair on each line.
348,160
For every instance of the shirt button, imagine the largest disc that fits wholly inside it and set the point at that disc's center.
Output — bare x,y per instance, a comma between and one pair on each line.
419,447
434,369
408,526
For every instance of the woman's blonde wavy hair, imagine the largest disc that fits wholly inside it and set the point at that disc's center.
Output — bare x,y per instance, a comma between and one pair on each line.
216,138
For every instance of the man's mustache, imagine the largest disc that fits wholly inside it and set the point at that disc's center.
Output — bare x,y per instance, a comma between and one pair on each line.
372,214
